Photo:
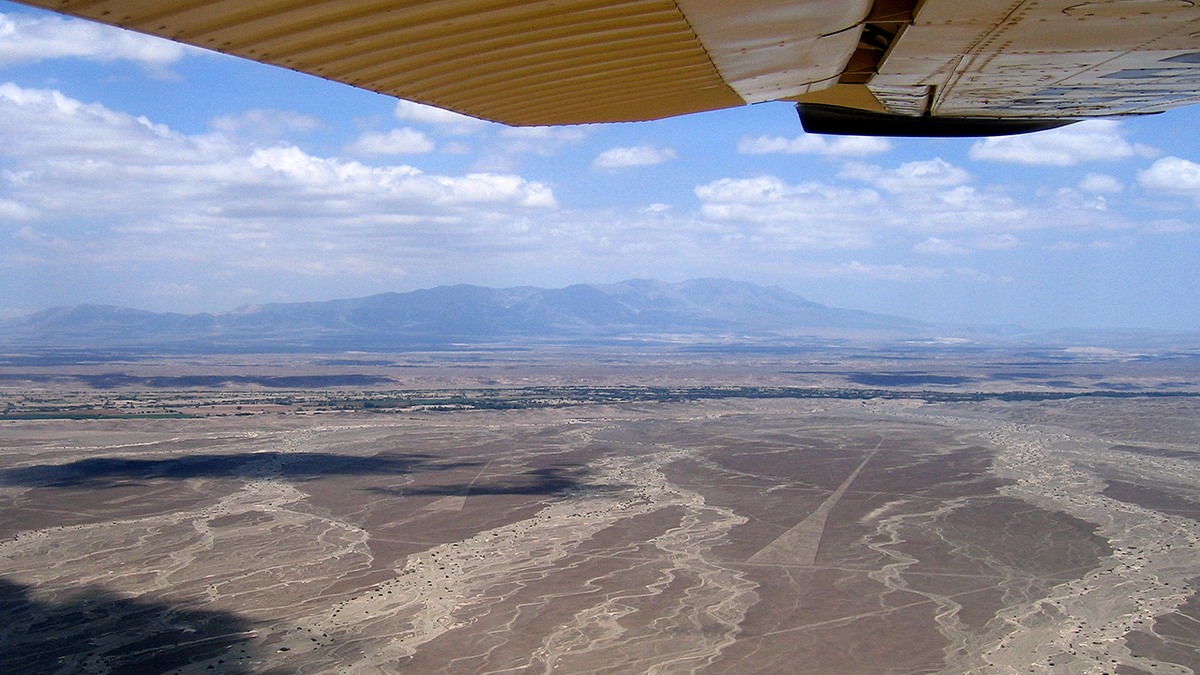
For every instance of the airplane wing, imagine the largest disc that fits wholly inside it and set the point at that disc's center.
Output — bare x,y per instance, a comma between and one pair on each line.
884,67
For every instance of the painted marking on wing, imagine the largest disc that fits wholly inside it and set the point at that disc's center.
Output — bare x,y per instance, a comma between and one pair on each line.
799,545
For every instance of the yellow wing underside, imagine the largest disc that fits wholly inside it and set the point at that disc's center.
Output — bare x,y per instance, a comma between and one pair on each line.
541,62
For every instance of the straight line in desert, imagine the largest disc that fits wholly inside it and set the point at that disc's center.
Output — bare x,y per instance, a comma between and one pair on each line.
458,501
798,546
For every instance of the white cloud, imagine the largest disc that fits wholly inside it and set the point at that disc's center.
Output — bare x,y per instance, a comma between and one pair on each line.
445,120
886,272
1099,183
1168,227
495,163
545,141
291,167
1089,141
996,242
1172,175
168,289
26,39
568,134
866,173
813,144
641,155
43,123
966,209
926,175
1070,198
793,216
11,210
1063,245
924,197
403,141
773,191
929,196
31,236
120,188
941,247
266,123
982,277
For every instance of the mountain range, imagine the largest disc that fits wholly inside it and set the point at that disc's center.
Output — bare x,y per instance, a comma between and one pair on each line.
703,310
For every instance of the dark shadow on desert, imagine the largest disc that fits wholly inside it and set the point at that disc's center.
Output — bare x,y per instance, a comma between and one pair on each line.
553,480
103,472
118,380
92,630
904,379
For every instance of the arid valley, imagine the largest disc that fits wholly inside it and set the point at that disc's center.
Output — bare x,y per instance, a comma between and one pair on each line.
819,522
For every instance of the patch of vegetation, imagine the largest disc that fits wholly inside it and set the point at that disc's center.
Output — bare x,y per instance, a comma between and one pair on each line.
191,403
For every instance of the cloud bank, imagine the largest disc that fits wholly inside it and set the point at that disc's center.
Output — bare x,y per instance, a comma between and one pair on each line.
25,38
1089,141
103,185
812,144
641,155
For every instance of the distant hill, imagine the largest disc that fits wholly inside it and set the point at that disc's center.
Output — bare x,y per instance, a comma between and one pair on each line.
703,310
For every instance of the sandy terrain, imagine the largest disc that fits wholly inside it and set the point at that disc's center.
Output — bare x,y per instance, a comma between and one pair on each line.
735,536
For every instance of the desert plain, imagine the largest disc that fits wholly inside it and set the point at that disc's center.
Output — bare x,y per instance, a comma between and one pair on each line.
661,534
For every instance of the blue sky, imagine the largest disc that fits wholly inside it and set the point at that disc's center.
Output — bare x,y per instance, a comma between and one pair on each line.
137,172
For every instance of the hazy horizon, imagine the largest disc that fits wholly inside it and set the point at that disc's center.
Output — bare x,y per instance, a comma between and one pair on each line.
140,173
951,324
